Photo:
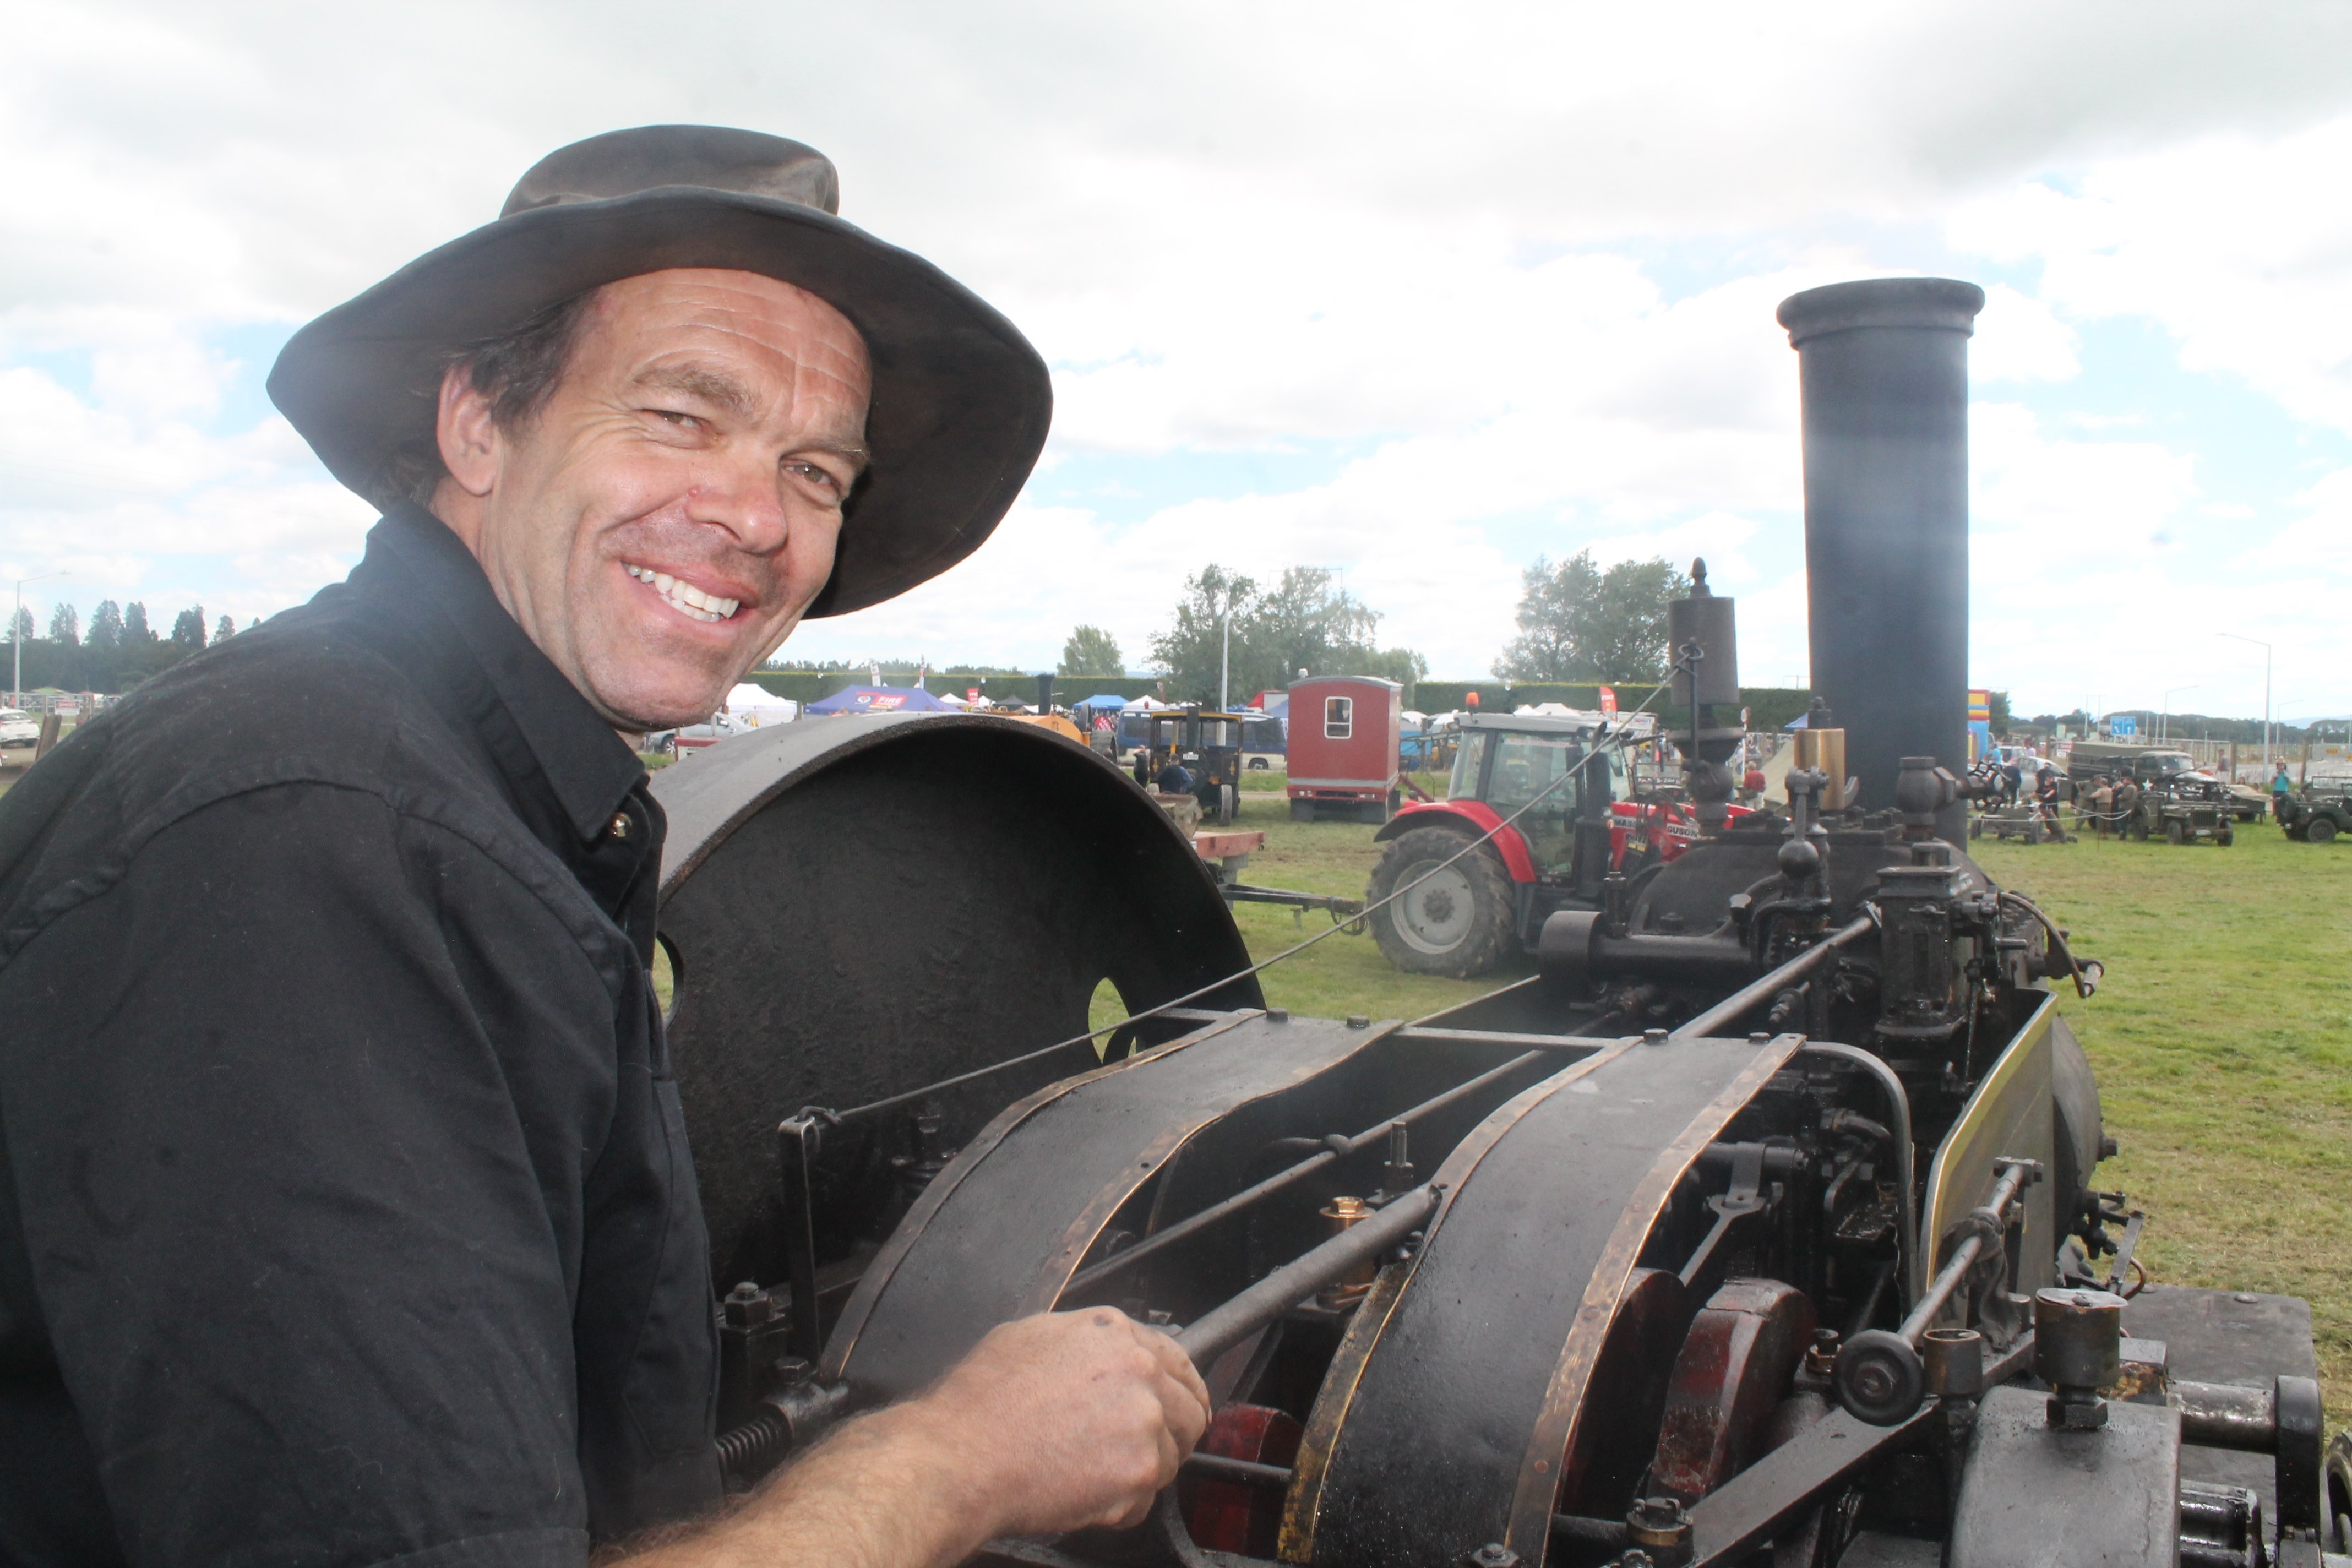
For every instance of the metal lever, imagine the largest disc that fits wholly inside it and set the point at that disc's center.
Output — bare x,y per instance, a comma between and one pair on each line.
1742,1199
796,1146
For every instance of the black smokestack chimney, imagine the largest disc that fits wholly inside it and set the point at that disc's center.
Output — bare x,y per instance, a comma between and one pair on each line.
1883,370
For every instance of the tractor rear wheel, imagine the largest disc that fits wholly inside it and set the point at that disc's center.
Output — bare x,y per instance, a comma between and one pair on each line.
1456,921
2321,831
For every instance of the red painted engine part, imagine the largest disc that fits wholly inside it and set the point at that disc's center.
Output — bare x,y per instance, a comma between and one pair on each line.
1603,1470
1733,1369
1234,1516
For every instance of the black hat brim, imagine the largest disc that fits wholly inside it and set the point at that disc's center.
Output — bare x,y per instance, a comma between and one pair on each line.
961,402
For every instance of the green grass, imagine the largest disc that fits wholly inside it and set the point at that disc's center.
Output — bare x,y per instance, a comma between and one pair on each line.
1343,973
1257,779
2223,1038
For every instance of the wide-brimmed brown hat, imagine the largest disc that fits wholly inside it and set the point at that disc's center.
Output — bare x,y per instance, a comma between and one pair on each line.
961,404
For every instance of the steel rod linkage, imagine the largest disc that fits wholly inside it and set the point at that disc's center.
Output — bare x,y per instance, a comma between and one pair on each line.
1192,1225
1755,994
1221,1328
1880,1377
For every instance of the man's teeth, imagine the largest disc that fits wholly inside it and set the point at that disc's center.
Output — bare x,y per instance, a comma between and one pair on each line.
685,597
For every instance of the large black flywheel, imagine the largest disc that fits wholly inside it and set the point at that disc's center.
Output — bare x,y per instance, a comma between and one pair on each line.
854,907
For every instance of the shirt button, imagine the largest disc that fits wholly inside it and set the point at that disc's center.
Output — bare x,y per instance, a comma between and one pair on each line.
620,825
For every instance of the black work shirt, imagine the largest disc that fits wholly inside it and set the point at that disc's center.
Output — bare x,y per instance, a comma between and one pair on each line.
346,1214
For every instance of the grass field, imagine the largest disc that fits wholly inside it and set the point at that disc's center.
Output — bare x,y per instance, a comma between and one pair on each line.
2222,1036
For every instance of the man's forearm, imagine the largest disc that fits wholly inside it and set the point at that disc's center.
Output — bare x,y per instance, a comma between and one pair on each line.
877,1492
1055,1421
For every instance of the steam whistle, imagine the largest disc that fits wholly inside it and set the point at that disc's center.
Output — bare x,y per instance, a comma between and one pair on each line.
1702,635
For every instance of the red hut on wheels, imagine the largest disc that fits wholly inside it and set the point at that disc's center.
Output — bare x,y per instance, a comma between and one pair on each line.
1345,732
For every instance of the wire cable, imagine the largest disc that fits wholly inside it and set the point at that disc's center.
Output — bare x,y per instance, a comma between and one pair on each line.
1611,742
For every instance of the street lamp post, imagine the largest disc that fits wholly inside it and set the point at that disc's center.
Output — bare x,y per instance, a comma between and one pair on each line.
16,636
2266,697
1225,657
2163,725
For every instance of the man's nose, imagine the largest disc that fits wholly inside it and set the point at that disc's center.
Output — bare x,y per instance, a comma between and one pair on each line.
742,493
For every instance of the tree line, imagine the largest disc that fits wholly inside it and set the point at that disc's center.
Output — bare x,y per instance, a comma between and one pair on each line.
1253,637
119,648
1577,622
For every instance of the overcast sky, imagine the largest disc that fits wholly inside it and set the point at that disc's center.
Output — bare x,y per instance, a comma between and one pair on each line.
1417,293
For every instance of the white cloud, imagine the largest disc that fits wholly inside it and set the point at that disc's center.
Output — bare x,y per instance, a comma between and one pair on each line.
2071,502
2240,246
2020,339
1517,262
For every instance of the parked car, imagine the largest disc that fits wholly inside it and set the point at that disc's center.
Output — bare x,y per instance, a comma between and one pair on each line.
688,737
19,728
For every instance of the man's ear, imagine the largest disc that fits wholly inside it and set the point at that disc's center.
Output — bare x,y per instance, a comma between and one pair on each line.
468,436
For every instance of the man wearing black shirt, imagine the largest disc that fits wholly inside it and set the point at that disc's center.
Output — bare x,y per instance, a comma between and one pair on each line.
346,1214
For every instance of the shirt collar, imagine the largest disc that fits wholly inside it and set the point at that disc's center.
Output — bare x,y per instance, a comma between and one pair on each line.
591,769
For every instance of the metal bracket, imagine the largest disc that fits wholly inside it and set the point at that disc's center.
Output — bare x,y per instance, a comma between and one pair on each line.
1745,1196
2132,1228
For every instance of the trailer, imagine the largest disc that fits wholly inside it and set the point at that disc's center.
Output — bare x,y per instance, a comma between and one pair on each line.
1346,731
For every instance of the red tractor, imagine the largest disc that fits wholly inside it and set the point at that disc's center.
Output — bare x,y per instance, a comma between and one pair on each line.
1492,903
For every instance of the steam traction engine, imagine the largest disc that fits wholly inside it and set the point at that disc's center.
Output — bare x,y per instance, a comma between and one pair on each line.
1761,1225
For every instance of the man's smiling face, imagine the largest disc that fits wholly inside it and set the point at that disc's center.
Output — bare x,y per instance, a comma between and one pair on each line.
664,520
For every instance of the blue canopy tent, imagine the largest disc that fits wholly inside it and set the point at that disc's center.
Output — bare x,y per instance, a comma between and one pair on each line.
1099,712
880,700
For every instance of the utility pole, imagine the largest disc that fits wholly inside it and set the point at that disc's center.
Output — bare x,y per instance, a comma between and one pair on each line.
16,636
2266,699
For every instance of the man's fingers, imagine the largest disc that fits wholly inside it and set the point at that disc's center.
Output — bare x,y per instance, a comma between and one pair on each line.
1178,1365
1184,1412
1171,1459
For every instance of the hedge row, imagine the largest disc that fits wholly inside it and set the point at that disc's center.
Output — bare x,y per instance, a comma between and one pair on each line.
1768,706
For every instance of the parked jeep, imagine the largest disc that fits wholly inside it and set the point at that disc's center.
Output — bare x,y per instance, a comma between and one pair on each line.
2319,811
2183,807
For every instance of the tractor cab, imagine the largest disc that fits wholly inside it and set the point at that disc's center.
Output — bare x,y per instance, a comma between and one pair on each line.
1209,744
1506,763
1468,916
